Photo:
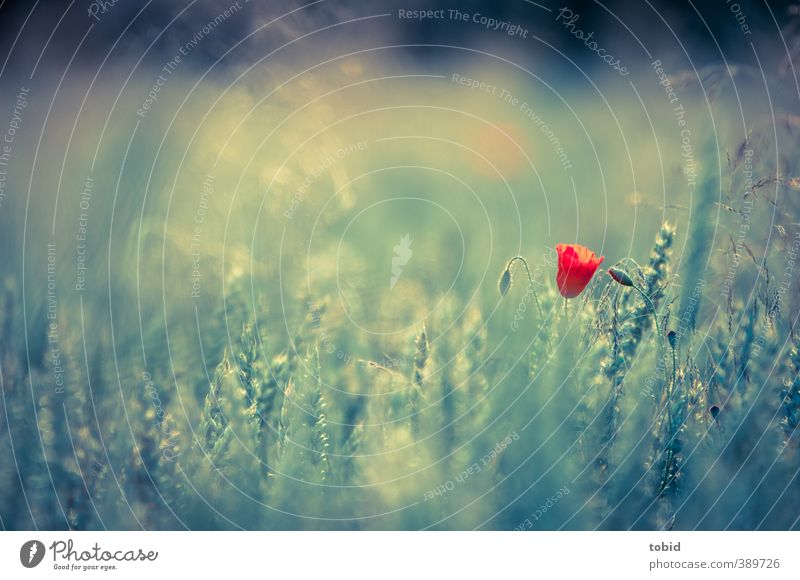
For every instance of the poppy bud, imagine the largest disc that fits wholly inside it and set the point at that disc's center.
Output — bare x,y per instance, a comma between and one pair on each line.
620,276
672,337
505,282
713,410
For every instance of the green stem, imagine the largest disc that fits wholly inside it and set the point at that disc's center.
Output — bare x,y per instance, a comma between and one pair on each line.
533,289
674,368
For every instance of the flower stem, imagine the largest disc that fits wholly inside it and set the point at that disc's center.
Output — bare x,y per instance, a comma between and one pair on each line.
674,368
533,290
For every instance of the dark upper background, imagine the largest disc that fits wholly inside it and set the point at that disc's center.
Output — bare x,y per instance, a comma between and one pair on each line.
594,16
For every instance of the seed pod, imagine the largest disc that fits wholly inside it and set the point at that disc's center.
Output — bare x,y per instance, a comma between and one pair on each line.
620,276
505,281
672,337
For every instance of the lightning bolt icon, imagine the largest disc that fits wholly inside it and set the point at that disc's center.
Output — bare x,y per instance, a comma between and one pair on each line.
402,254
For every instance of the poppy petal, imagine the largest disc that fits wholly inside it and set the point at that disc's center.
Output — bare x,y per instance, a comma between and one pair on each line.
576,266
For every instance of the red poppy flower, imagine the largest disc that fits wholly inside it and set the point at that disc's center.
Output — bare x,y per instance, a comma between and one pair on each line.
576,266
